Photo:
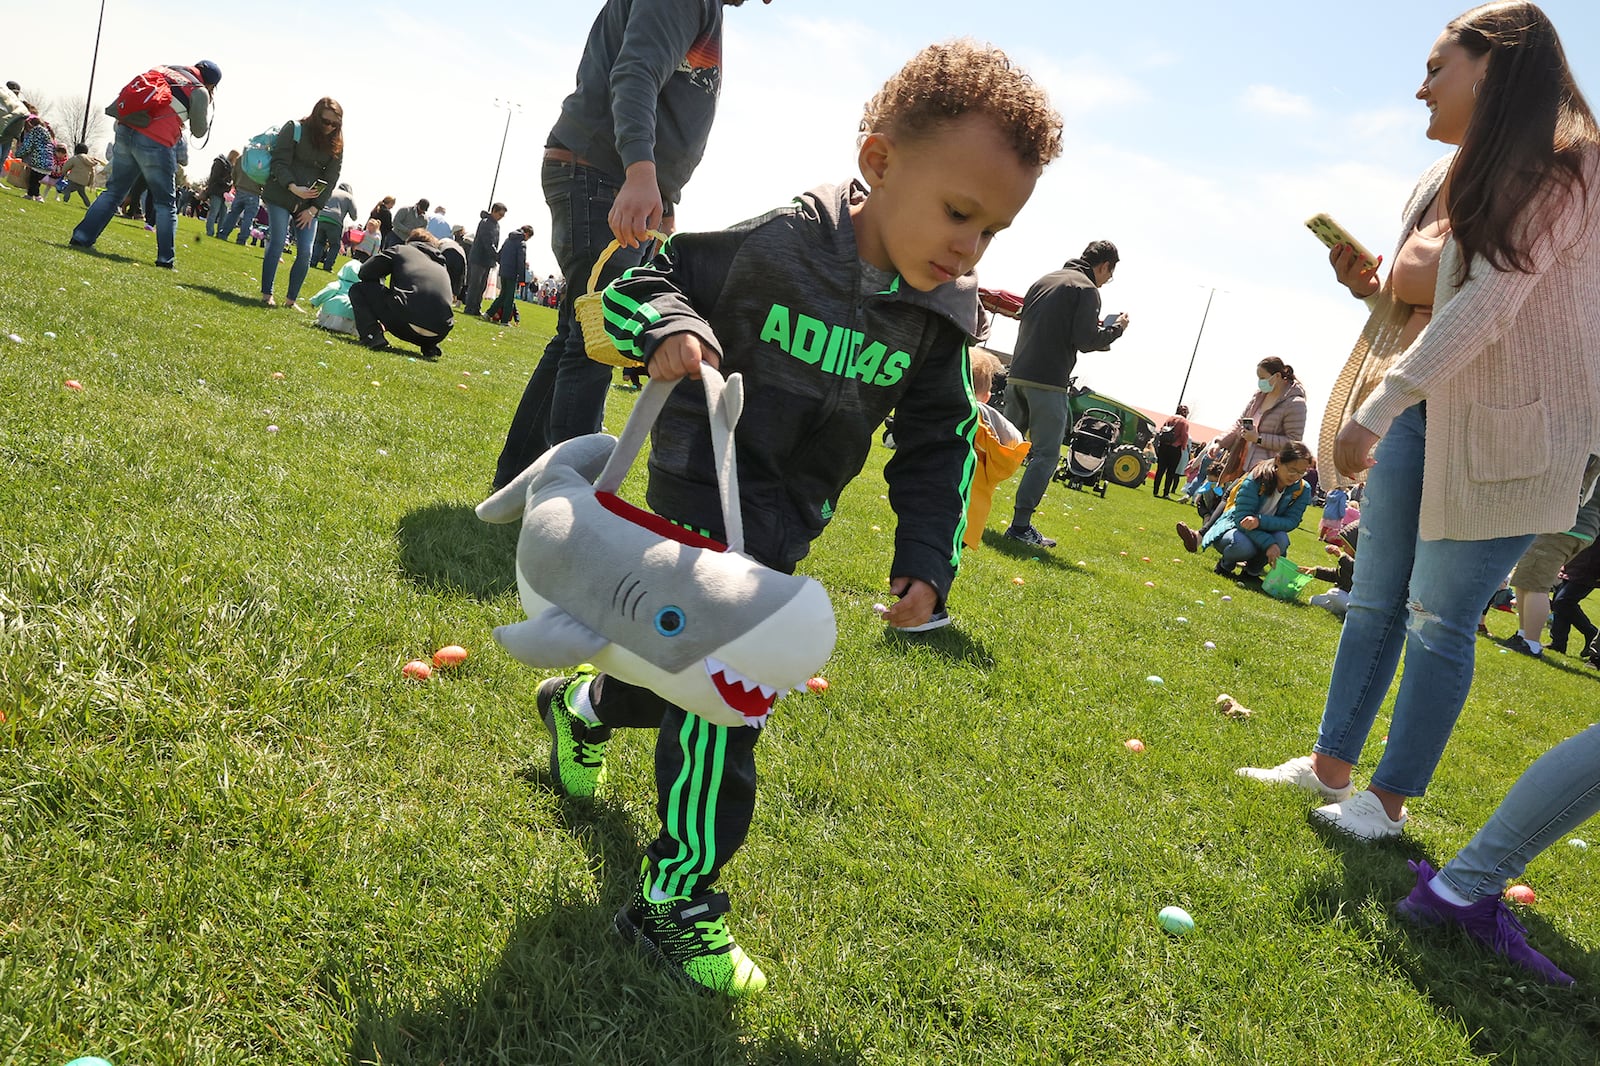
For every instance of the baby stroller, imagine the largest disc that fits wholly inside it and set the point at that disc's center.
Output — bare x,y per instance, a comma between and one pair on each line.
1091,439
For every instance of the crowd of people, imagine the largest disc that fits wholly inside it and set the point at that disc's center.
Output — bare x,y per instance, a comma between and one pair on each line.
1466,411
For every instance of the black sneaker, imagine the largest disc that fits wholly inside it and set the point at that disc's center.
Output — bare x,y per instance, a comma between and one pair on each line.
377,342
1028,535
577,749
1517,643
690,938
432,351
1223,569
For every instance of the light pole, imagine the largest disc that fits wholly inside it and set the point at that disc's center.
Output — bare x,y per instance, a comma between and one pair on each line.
88,99
1197,336
510,106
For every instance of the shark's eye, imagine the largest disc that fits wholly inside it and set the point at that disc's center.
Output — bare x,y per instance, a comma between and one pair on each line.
669,621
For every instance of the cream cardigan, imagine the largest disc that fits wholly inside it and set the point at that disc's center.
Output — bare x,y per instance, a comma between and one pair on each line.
1509,366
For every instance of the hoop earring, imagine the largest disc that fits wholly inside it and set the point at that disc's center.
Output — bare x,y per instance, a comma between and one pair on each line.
1475,88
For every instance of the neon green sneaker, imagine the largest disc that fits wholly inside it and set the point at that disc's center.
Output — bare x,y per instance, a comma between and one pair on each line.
690,938
577,749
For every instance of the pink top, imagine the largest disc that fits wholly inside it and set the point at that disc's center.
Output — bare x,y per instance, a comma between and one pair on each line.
1415,276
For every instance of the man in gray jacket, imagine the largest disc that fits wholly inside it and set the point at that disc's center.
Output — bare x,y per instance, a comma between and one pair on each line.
1060,318
624,146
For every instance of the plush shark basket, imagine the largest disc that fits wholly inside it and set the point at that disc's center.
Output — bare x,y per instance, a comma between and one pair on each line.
700,623
591,314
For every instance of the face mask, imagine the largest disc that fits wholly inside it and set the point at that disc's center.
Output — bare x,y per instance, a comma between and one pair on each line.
1264,384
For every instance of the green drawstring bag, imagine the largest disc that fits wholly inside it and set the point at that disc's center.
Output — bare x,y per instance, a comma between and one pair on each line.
1284,581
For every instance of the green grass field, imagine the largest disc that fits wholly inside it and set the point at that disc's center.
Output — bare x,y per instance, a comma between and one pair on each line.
231,832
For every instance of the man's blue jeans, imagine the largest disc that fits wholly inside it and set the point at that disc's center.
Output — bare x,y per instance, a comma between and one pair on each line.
566,397
241,214
278,222
1424,596
215,215
134,154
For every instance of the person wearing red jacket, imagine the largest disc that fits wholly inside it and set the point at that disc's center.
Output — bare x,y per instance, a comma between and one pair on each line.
146,145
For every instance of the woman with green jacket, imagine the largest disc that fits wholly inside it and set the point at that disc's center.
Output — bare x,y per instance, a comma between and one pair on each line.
305,170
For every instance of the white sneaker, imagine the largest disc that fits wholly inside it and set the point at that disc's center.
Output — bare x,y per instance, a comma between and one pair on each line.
1361,816
937,620
1297,772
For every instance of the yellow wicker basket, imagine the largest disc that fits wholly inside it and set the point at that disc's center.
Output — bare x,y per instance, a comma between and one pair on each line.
592,317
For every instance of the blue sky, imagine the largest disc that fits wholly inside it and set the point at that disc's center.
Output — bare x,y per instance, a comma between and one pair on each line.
1198,140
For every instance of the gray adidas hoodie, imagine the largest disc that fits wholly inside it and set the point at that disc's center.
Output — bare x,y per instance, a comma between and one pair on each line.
781,299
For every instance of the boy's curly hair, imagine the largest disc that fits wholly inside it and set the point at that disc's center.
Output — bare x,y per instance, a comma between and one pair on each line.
945,81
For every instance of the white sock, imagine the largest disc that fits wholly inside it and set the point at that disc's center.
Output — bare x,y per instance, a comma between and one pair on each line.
1534,644
1442,889
582,707
657,895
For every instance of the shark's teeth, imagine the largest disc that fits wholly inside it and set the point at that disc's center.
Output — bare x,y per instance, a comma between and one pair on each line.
751,698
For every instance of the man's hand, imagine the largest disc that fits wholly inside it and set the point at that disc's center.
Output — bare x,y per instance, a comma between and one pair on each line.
915,605
637,209
1352,449
680,356
1122,321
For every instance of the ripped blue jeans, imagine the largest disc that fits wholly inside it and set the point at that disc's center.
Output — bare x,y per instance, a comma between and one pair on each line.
1422,596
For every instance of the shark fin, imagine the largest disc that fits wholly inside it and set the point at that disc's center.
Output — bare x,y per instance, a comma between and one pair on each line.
553,640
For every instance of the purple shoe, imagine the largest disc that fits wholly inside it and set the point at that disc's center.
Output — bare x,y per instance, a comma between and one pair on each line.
1488,921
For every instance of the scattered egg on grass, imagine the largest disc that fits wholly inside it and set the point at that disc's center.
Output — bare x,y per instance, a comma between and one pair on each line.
1175,920
1017,581
14,338
1209,645
1149,584
1182,621
1133,744
1521,894
74,384
1227,599
1155,680
1575,842
272,429
1144,558
383,451
49,335
417,670
459,385
817,684
450,655
277,375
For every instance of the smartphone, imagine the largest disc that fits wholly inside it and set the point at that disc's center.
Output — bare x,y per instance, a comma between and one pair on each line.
318,185
1331,233
1110,320
1248,423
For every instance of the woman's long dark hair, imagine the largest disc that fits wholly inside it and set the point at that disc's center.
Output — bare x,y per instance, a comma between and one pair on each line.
327,141
1265,473
1530,127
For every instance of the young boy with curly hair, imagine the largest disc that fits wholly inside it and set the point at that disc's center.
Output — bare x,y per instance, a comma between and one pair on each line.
849,303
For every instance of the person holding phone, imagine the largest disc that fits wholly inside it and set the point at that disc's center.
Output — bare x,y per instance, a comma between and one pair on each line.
306,159
1473,367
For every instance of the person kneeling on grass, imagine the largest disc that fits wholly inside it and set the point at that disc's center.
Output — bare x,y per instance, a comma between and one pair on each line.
415,305
1264,505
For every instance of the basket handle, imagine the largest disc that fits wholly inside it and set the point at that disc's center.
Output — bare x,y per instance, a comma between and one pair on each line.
724,403
611,249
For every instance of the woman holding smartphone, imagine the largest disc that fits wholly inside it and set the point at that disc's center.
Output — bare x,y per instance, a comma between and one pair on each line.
1476,368
305,170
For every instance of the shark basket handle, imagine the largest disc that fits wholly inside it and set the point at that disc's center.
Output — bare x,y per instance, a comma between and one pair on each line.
724,403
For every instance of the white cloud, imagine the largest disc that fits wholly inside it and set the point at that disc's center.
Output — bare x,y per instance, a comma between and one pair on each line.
1271,100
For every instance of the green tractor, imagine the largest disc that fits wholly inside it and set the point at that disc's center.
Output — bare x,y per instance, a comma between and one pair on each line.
1120,441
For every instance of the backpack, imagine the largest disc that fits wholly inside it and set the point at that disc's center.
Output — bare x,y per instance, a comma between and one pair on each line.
1167,434
140,98
256,159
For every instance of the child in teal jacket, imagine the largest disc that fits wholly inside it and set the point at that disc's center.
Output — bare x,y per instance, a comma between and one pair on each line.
1263,507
